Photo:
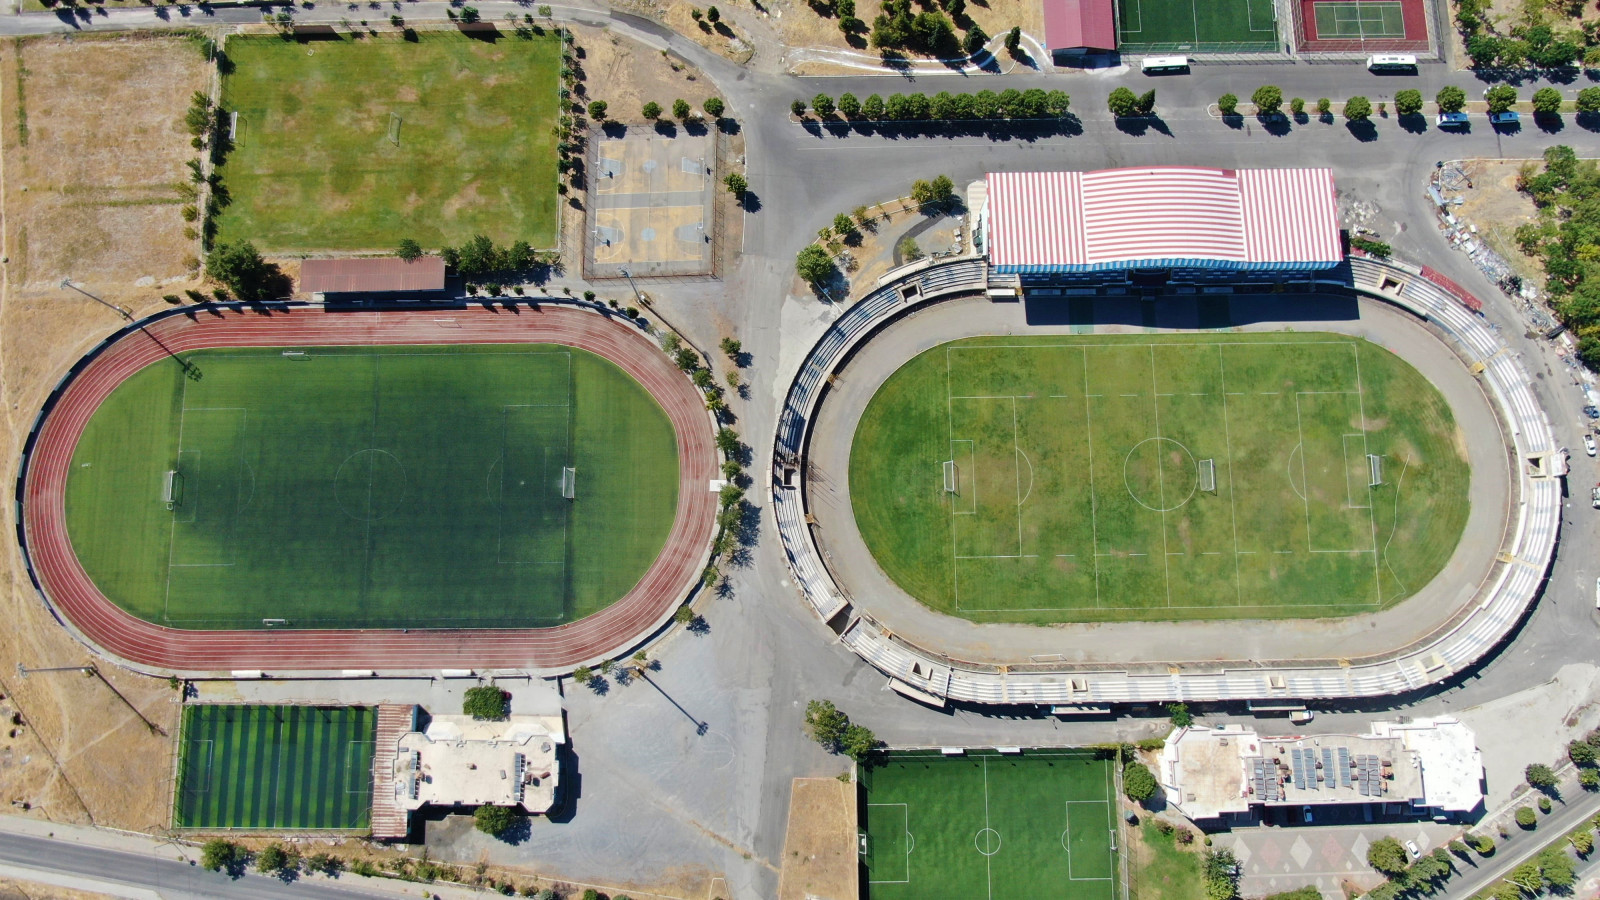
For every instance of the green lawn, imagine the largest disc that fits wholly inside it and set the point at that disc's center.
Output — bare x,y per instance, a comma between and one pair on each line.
374,487
1164,871
275,767
1200,25
1079,464
987,825
314,168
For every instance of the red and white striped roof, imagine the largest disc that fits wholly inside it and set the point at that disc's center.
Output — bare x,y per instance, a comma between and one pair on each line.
1244,217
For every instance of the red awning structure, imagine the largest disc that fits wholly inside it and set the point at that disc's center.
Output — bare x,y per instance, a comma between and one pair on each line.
371,276
1171,216
1079,25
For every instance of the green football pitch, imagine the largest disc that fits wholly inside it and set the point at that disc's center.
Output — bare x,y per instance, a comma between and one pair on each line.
373,487
1180,476
275,767
1366,19
1199,25
357,144
986,825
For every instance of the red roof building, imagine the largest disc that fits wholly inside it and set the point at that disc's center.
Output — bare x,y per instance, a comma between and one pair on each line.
1073,27
388,275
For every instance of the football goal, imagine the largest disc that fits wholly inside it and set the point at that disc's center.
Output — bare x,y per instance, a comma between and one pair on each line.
1374,470
1208,475
950,476
394,129
170,489
569,483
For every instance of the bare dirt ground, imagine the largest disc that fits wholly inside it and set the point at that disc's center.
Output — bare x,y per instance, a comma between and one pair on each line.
726,37
626,75
92,146
1494,204
819,850
801,26
31,890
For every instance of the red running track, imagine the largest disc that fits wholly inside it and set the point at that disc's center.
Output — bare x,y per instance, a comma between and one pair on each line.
121,635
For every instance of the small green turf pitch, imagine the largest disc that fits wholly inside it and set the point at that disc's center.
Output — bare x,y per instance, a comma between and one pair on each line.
275,767
982,825
1360,20
313,166
1202,25
1078,468
373,487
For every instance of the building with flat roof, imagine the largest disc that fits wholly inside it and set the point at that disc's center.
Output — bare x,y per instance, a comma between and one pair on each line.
1432,766
344,279
1157,220
1076,28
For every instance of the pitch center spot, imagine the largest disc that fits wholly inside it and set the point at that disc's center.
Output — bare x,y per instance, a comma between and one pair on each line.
987,841
1160,474
370,485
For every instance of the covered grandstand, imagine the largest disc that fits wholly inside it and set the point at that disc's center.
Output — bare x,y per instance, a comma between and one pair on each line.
1175,219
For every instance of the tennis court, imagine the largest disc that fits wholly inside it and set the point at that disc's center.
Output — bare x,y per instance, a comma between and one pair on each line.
260,768
1036,823
1197,26
1361,20
422,486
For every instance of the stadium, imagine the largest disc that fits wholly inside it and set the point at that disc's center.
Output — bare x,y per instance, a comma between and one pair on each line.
260,492
1159,408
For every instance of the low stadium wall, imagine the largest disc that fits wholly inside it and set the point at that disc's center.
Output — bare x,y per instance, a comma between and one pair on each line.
1477,628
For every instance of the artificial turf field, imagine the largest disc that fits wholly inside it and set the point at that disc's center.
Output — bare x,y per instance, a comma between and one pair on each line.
1078,470
373,487
1201,25
275,767
314,167
988,825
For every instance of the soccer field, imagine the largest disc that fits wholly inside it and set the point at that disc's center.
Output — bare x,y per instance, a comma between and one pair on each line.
987,825
275,767
1199,25
373,487
356,144
1103,478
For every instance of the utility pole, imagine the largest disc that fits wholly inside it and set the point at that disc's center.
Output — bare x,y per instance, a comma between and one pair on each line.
67,283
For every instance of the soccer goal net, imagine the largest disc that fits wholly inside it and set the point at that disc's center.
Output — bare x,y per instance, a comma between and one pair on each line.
1208,475
394,129
569,483
1374,470
170,488
950,476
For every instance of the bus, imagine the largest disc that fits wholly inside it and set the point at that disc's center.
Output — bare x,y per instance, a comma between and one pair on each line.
1164,65
1392,62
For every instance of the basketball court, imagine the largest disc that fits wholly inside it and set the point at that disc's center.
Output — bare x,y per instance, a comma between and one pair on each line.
650,205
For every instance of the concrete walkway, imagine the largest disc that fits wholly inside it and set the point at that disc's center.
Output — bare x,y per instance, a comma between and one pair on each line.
874,593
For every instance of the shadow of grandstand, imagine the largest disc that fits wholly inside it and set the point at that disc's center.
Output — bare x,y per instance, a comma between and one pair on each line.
1189,312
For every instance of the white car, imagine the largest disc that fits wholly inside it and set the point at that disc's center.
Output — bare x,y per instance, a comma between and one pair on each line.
1597,593
1588,444
1411,848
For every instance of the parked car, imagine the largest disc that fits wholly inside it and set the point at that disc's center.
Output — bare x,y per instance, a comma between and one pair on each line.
1595,496
1305,811
1509,117
1588,444
1411,848
1597,593
1302,716
1592,412
1452,120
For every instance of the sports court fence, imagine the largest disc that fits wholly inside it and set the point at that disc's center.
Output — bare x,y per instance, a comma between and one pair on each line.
713,215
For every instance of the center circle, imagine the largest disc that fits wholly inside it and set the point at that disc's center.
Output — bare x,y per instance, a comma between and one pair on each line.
369,485
1160,474
987,841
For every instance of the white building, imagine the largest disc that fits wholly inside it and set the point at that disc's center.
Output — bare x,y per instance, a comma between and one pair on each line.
1432,766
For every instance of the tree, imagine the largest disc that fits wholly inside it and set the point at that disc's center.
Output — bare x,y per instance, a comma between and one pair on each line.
597,109
1138,782
1181,717
272,858
1323,105
1589,779
858,742
1483,844
485,703
728,441
1297,106
826,723
1227,104
494,820
1540,776
1408,102
243,270
1057,102
469,14
1589,100
1453,99
1014,40
844,226
1557,869
813,264
219,855
1387,856
478,256
849,106
798,107
713,14
1500,98
736,184
1357,109
681,109
1221,872
1459,849
974,40
872,107
1268,99
1146,103
1526,817
823,104
583,674
1583,842
651,110
1484,49
713,107
1122,102
1527,876
1546,101
408,250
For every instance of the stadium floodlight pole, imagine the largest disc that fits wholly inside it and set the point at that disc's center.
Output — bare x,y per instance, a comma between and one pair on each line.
636,295
67,283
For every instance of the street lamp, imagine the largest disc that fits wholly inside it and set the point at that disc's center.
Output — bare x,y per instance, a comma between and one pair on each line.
636,295
67,283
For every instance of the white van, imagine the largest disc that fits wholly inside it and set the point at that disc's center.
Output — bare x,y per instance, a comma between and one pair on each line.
1392,62
1164,65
